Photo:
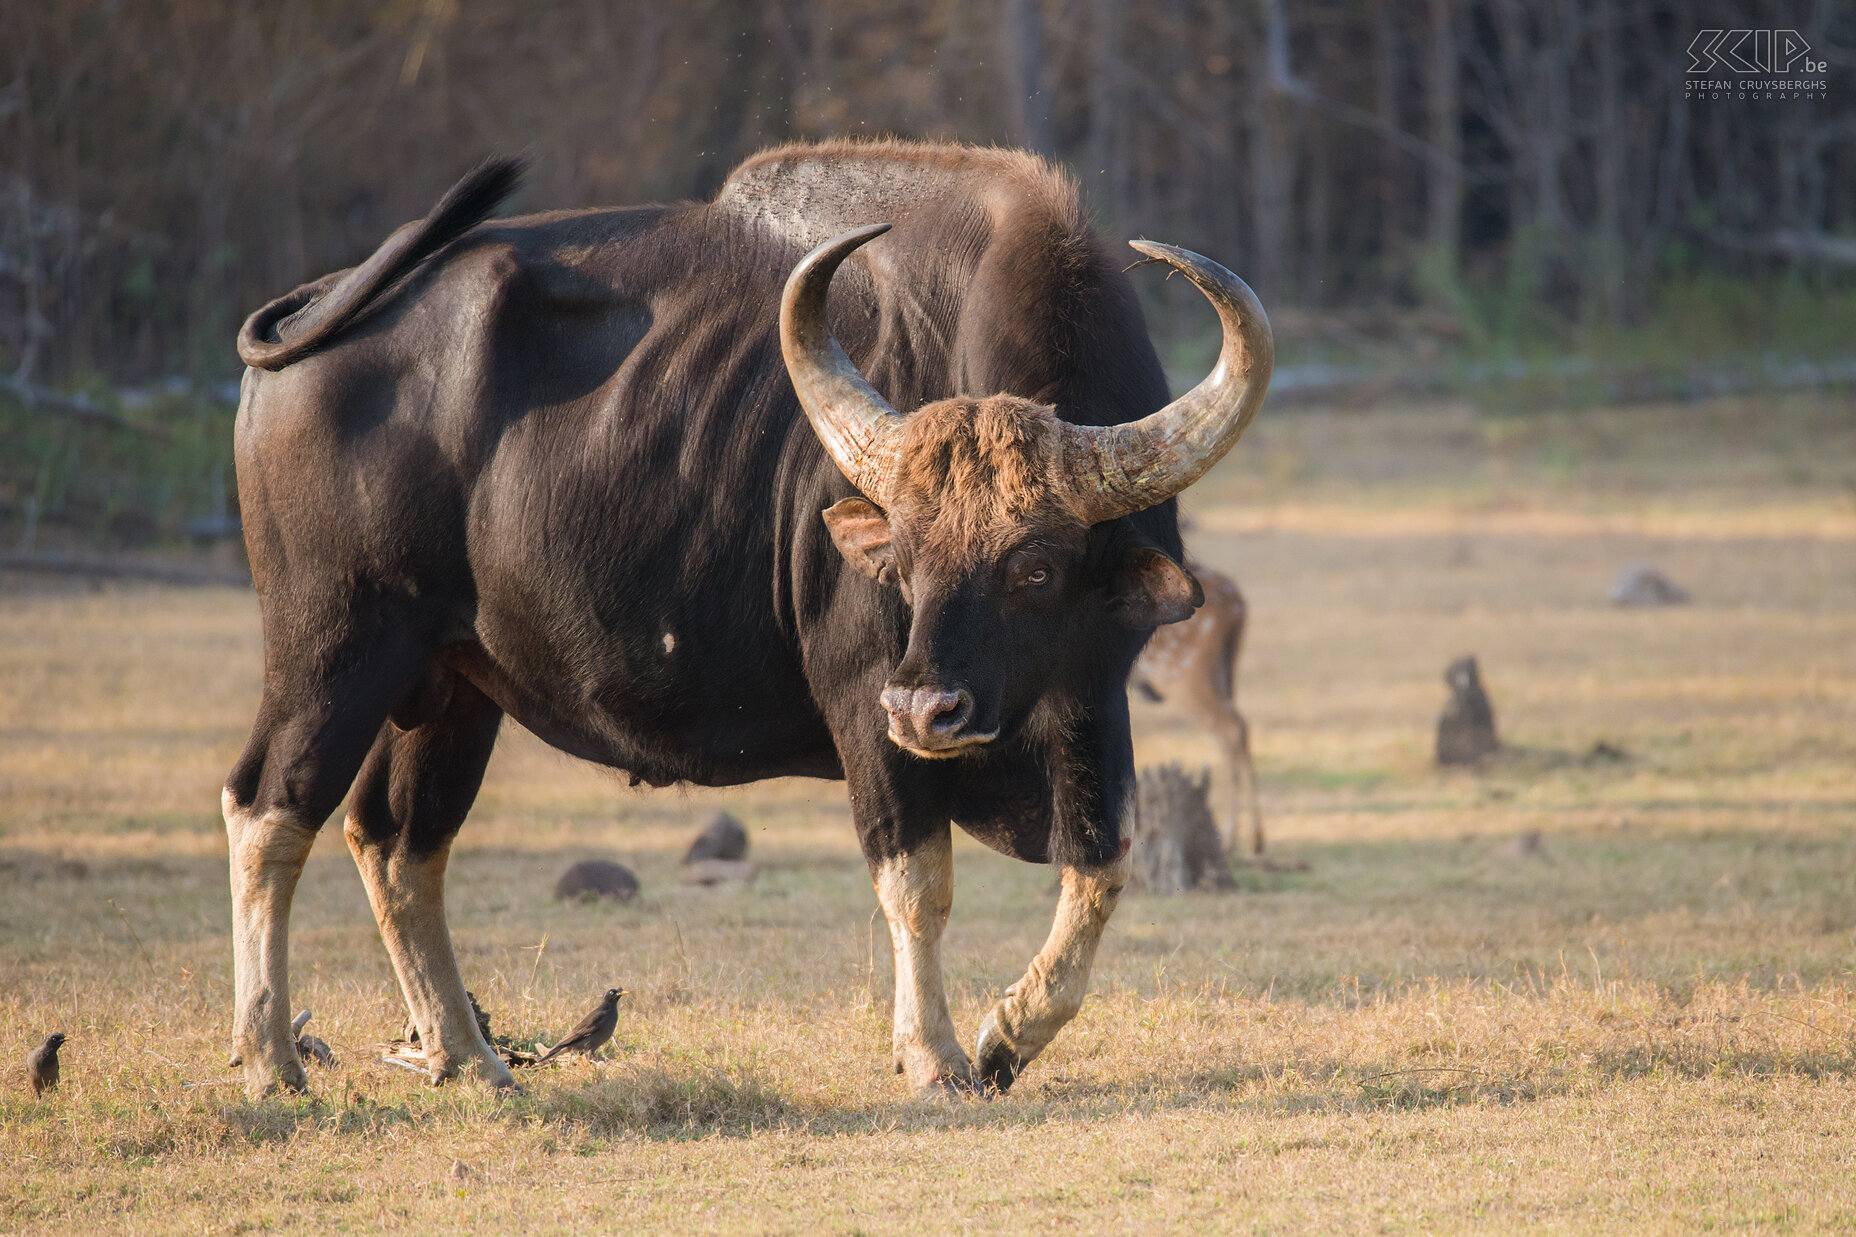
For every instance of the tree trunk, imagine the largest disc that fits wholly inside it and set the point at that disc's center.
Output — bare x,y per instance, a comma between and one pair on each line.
1025,75
1271,168
1443,112
1608,170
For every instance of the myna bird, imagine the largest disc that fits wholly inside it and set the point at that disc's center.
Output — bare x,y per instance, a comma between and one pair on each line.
594,1030
411,1033
42,1062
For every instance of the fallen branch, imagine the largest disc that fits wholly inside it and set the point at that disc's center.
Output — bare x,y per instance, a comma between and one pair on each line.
1792,243
401,1063
118,568
1424,1069
76,407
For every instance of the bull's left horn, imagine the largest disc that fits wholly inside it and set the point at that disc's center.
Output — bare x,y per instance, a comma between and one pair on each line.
1119,469
857,426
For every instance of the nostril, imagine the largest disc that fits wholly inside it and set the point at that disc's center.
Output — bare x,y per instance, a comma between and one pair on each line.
946,712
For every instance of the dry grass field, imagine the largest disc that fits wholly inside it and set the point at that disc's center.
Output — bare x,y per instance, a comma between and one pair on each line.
1648,1023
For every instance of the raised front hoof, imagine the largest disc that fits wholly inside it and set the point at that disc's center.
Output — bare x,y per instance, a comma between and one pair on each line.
996,1062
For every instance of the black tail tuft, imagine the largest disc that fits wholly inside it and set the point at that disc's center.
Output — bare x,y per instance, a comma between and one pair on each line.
470,201
318,322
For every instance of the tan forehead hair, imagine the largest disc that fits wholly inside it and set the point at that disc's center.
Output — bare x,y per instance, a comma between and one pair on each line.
971,473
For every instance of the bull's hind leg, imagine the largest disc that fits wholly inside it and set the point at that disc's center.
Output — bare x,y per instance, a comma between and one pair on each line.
408,803
266,851
916,891
1051,991
312,732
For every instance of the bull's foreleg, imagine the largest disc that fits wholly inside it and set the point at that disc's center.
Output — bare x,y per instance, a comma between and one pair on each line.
267,852
1051,991
916,891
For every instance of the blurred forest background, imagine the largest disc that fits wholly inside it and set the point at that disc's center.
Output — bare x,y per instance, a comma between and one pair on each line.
1438,193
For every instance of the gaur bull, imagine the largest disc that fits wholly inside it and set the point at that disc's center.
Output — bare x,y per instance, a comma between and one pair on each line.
616,475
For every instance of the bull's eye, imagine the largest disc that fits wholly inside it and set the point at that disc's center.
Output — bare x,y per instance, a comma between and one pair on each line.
1034,578
1030,572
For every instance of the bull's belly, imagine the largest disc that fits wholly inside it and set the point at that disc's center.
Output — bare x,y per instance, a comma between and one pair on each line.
656,725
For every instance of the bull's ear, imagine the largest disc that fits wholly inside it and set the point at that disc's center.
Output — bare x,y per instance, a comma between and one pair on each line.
861,533
1149,590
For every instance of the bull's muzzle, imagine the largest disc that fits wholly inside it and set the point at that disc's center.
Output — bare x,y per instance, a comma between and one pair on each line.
932,721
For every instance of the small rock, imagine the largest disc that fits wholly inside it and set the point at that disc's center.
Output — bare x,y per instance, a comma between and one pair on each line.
315,1050
312,1049
722,838
1603,753
1641,585
597,878
1525,846
719,871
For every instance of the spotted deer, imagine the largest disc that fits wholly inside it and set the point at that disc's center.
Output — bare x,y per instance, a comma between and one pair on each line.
1194,665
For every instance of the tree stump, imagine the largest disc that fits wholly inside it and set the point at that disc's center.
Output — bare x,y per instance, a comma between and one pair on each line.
1176,842
1466,731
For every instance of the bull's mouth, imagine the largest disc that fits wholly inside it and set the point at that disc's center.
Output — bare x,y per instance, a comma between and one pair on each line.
944,749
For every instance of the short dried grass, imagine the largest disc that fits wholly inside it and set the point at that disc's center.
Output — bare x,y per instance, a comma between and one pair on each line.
1649,1024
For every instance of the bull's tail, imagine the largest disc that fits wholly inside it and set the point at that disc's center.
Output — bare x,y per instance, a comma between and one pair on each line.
319,319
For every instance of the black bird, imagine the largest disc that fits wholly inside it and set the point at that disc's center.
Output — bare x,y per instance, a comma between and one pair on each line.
42,1063
594,1030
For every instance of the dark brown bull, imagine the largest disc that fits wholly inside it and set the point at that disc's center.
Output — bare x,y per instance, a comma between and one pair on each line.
1194,665
571,468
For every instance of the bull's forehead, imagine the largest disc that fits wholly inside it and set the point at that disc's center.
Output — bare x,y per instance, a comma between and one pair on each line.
976,476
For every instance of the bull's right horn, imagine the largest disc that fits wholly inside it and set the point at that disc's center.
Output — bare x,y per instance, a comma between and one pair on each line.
1120,469
857,426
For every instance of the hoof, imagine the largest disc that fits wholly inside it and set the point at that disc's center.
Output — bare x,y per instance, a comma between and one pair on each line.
441,1067
995,1061
262,1084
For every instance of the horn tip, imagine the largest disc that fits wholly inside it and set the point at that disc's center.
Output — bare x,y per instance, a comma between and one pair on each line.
1153,249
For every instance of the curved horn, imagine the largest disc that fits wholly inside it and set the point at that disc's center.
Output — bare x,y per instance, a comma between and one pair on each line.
857,426
1120,469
